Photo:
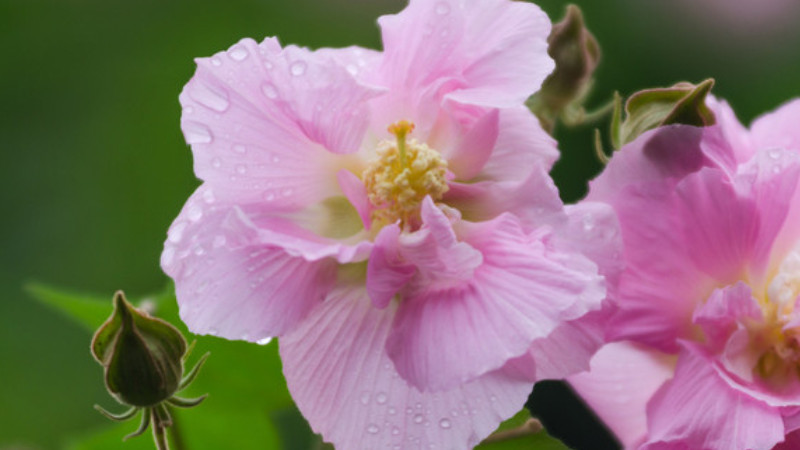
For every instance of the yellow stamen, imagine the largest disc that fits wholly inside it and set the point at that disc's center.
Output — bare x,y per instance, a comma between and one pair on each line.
403,174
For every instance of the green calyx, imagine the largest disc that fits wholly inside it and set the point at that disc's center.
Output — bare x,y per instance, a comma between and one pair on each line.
142,355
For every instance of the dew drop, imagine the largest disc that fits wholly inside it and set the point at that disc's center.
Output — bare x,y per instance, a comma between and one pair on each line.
364,398
264,341
175,233
241,169
269,196
240,149
208,196
395,431
381,398
238,53
418,418
213,332
392,411
286,192
194,213
188,110
373,429
216,163
268,65
196,133
418,406
774,153
199,251
353,69
588,222
442,8
270,91
776,168
216,62
298,68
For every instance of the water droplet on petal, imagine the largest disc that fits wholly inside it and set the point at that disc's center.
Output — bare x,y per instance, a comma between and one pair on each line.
774,153
373,429
208,196
418,418
270,91
219,241
216,62
240,149
395,431
287,192
175,233
196,133
241,169
213,332
264,341
216,163
364,398
298,68
194,213
392,411
188,110
352,69
381,398
442,8
238,53
588,222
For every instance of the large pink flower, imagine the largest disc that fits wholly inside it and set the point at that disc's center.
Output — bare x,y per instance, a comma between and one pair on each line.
389,216
708,314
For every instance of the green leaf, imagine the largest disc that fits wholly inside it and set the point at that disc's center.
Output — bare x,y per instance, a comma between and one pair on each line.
90,311
517,433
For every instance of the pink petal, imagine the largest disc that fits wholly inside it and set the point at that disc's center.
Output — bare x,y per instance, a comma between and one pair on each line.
778,129
499,62
699,410
734,133
346,386
355,191
475,147
263,121
229,283
387,273
523,291
622,379
724,309
593,229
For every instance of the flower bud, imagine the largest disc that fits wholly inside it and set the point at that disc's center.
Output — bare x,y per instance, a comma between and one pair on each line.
576,54
683,103
141,355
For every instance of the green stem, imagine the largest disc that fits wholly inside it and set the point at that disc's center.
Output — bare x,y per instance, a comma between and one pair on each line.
175,433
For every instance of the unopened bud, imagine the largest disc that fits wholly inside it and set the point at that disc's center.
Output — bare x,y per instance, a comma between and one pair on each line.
576,54
141,355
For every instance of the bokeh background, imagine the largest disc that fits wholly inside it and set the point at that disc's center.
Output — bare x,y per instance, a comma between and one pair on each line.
93,166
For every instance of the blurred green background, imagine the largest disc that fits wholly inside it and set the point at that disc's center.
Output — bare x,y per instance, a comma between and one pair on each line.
93,166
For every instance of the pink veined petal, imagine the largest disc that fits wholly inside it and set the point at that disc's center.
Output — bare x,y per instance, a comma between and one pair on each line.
359,62
699,410
719,226
475,147
660,287
262,122
346,386
623,378
523,291
230,284
565,351
593,229
499,63
772,180
778,129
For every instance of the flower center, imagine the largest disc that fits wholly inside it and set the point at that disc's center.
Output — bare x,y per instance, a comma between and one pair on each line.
402,175
782,333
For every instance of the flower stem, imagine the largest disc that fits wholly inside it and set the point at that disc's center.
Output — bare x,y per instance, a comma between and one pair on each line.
176,435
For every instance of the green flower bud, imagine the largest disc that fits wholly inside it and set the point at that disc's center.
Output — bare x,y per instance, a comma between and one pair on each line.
142,356
683,103
576,54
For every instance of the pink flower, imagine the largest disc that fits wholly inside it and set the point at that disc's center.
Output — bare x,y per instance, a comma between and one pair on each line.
708,314
389,216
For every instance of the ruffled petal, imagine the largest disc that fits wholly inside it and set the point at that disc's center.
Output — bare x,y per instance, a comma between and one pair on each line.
499,62
724,309
263,120
346,386
698,410
622,379
229,283
523,291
